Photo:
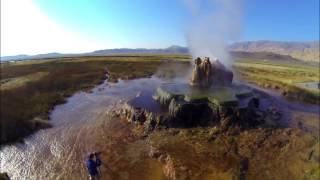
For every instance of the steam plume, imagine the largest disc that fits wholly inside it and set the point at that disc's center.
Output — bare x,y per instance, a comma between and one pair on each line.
214,24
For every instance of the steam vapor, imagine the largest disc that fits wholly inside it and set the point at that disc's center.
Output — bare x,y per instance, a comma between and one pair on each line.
214,24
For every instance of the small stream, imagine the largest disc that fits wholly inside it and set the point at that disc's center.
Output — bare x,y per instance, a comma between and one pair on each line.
59,152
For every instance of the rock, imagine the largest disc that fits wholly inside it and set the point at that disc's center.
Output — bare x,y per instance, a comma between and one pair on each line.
138,115
187,114
206,74
197,77
221,75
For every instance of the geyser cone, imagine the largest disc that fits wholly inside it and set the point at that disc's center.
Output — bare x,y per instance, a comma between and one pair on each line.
206,74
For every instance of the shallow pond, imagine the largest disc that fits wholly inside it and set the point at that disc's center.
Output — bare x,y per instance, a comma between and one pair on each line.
58,151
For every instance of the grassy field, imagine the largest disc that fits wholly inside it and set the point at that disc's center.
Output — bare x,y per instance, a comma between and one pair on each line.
11,83
281,76
30,89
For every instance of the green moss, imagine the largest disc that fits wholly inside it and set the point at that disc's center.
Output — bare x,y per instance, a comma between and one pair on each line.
196,95
167,92
223,96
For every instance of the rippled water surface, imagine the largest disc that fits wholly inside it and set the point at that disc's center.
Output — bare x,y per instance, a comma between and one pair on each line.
59,152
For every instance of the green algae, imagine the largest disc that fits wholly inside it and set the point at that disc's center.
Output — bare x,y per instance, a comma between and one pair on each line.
221,96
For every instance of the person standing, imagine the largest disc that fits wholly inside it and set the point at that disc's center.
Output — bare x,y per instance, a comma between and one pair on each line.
93,162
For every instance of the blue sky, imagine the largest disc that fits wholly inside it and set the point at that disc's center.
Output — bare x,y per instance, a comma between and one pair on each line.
283,20
83,25
125,23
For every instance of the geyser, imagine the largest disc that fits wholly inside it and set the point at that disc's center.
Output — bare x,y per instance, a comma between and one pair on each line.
212,26
209,99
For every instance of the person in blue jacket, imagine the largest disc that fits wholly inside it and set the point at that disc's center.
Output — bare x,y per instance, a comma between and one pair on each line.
92,163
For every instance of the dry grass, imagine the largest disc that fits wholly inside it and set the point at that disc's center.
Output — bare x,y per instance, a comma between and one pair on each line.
12,83
31,90
281,76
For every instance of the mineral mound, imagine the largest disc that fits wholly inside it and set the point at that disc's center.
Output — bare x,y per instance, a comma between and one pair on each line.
207,74
210,99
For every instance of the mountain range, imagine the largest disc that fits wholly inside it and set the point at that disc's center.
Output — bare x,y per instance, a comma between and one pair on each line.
305,51
169,50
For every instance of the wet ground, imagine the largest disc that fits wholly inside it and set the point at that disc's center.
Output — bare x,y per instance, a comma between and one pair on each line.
86,123
294,114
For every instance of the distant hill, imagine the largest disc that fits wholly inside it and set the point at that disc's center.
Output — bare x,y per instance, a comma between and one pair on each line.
169,50
307,51
14,58
38,56
263,56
